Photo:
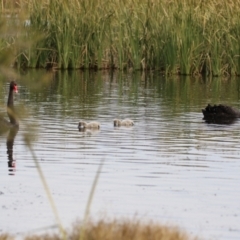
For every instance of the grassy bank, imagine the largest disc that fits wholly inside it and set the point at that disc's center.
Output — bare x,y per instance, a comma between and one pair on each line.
115,230
179,37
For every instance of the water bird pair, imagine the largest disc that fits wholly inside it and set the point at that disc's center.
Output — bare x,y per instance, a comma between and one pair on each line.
96,125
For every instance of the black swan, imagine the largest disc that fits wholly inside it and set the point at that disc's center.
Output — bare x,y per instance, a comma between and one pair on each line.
220,113
10,109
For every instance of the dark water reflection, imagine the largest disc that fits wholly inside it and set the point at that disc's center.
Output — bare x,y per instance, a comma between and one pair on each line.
171,166
12,133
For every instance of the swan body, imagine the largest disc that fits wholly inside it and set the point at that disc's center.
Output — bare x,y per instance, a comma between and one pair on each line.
89,125
220,112
124,122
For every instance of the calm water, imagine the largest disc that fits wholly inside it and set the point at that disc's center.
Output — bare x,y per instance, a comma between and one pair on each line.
171,167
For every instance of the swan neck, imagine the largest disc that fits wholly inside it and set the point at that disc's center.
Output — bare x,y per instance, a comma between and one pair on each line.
10,99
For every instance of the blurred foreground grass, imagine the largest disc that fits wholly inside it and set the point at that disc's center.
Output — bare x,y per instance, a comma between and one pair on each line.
116,230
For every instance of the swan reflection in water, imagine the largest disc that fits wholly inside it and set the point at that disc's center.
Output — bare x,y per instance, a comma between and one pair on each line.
10,142
225,121
89,132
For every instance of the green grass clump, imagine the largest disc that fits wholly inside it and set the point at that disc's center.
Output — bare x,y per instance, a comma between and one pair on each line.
177,37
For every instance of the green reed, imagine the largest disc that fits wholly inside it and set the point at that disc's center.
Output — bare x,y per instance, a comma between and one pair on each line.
177,37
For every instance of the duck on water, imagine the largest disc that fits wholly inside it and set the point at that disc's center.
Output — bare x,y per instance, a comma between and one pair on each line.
124,122
88,125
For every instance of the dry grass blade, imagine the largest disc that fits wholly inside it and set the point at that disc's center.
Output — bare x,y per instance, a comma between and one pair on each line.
45,185
89,202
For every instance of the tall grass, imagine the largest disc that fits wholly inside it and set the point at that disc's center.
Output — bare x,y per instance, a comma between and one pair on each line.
176,37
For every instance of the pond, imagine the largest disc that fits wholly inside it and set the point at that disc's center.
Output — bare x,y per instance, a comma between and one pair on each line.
170,167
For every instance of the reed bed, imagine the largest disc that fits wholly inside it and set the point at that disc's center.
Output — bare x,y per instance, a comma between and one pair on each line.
176,37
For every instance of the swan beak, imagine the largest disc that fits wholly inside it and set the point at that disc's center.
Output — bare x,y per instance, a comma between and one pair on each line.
15,89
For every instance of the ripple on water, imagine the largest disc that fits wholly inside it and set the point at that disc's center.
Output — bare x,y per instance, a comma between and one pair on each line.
170,166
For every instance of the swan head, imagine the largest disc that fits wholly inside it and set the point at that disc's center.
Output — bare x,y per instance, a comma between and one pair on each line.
13,86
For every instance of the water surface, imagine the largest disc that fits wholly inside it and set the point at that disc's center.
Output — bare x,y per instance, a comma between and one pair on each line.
170,167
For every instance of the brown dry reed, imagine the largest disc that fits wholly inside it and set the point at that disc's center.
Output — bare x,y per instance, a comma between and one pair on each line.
118,230
175,37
